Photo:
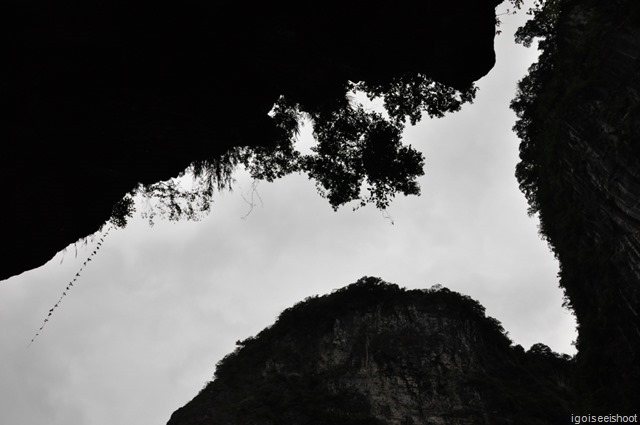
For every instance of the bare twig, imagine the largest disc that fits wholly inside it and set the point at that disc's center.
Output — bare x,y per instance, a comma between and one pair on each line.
386,215
253,193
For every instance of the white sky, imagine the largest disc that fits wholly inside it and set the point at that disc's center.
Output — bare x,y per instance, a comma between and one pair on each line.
142,329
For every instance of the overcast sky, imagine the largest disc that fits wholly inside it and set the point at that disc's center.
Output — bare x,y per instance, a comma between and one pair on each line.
142,329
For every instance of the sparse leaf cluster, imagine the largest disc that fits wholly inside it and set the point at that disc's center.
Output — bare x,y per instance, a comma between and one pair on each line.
169,200
516,5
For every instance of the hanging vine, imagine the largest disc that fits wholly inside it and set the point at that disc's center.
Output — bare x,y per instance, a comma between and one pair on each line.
72,281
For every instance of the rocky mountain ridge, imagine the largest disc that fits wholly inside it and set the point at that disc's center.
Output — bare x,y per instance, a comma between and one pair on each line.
374,353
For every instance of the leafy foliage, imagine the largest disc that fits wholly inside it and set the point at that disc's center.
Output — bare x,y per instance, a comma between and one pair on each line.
122,211
411,95
357,148
542,25
527,102
169,200
280,159
359,156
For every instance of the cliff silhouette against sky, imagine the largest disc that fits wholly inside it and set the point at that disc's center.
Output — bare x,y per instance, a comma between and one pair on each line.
579,126
374,353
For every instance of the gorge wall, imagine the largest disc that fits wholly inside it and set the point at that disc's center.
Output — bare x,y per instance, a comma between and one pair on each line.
376,354
581,171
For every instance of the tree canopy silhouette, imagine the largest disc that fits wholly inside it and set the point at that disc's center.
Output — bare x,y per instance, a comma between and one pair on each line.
529,104
359,156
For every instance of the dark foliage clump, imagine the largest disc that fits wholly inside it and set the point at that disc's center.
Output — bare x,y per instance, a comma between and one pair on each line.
357,148
528,99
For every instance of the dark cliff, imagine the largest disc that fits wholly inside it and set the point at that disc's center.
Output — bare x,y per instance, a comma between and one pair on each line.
374,353
102,97
580,127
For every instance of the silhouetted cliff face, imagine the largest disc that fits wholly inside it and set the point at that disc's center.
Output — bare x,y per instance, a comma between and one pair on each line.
105,96
587,156
373,353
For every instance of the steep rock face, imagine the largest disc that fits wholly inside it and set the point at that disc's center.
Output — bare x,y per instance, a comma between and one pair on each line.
105,96
373,353
586,155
